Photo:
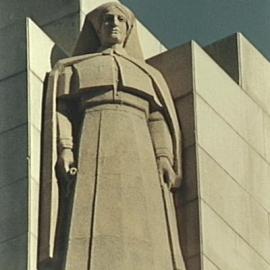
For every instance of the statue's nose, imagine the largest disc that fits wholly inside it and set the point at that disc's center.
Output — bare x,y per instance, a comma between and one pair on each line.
115,20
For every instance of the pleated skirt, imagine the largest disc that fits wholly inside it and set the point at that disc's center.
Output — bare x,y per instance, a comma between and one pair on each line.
118,218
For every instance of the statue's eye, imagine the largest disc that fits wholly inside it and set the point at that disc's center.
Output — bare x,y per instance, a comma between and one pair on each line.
108,18
121,18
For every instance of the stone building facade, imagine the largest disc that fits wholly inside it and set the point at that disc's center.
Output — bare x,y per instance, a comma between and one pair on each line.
221,93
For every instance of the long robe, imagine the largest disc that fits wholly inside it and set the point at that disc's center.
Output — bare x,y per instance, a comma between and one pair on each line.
118,218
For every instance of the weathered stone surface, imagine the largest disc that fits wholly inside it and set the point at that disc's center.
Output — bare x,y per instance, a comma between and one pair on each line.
255,70
12,49
40,11
32,252
266,124
39,61
13,253
225,52
13,158
43,13
229,100
14,212
236,207
151,46
35,96
33,206
12,11
233,156
208,265
185,111
188,190
64,31
176,67
221,243
190,238
247,66
107,226
13,103
35,153
232,153
194,263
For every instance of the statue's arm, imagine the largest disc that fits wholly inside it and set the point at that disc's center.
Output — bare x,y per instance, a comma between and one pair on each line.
64,124
161,136
163,148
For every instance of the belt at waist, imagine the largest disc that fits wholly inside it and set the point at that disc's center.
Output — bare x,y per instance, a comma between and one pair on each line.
99,98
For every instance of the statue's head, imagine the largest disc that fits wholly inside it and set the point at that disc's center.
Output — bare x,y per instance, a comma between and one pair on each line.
113,22
109,24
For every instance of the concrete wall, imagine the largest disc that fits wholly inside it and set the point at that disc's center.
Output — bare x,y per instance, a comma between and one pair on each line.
233,166
14,148
21,91
38,64
245,64
20,126
176,66
59,19
223,206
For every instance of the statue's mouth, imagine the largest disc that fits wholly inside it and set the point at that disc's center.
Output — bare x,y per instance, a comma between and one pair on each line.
115,31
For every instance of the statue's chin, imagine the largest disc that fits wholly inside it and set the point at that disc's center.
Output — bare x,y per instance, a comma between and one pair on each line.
115,38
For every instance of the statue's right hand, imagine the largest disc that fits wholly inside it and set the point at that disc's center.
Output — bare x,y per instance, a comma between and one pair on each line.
65,160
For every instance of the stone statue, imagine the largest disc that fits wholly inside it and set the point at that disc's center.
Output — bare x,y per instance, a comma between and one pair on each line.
116,128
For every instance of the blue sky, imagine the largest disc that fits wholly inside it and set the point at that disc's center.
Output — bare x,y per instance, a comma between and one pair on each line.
175,22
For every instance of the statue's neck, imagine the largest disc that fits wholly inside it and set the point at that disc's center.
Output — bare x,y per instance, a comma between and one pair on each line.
111,49
114,47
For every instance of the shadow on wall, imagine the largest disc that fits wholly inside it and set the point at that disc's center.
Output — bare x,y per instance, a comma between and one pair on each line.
205,20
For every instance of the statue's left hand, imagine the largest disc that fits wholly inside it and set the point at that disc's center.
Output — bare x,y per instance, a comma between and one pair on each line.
65,161
167,173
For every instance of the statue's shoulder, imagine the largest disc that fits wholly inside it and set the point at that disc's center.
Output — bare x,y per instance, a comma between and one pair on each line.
66,63
152,71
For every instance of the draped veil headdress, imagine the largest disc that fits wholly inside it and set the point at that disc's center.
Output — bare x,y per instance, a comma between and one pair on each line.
88,41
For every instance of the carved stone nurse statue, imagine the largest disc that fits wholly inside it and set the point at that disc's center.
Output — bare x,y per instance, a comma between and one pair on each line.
112,120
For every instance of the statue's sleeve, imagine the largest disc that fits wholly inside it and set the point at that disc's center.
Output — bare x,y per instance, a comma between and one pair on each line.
64,129
161,137
64,123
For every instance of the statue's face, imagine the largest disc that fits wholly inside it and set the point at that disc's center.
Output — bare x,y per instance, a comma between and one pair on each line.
113,29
